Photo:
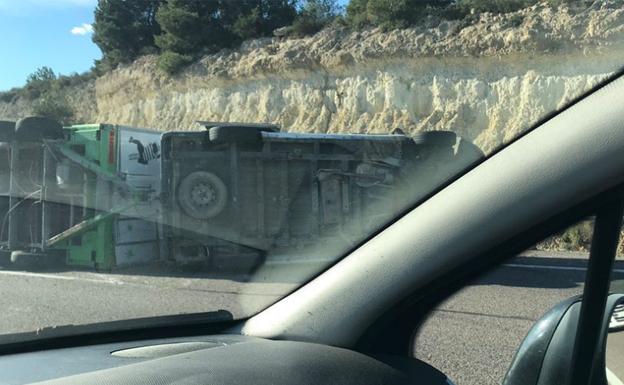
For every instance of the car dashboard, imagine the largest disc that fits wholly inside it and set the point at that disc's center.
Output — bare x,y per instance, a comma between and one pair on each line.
218,360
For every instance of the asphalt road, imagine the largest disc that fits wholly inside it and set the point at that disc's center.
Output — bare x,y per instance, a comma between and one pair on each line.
615,353
32,301
472,337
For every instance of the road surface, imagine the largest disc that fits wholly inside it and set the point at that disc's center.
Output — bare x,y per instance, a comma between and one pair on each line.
472,337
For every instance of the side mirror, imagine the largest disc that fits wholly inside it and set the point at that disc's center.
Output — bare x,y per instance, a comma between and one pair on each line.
545,355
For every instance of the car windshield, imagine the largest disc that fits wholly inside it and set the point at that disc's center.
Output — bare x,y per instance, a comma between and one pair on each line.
161,158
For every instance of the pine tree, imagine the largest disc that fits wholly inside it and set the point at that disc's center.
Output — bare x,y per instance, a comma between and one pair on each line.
390,14
256,18
192,28
186,27
125,29
314,15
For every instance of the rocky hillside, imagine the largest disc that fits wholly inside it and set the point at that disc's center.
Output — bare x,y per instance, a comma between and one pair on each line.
486,77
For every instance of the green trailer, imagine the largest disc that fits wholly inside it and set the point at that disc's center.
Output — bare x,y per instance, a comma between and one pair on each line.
84,195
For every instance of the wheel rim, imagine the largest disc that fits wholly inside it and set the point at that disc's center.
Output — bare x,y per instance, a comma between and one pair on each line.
202,195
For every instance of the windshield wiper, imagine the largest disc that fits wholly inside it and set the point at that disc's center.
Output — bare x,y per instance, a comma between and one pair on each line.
112,331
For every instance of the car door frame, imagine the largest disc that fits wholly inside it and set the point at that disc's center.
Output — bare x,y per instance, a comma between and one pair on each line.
395,331
398,323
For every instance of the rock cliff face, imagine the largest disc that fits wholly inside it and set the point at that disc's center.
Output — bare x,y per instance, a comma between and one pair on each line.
487,77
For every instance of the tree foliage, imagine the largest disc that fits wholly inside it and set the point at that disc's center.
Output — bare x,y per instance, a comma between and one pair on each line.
314,15
55,106
124,30
191,28
45,89
502,6
182,30
496,6
39,82
390,14
257,18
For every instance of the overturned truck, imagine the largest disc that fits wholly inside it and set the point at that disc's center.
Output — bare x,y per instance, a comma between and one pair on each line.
84,196
238,189
228,195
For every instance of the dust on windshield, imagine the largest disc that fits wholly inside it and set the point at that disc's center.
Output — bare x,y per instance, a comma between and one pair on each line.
214,156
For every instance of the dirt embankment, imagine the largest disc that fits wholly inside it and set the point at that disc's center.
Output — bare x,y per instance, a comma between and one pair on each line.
486,77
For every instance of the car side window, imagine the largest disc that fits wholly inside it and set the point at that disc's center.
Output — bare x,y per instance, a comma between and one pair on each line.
474,335
615,339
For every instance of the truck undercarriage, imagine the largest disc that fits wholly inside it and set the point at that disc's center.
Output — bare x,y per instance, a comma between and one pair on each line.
230,193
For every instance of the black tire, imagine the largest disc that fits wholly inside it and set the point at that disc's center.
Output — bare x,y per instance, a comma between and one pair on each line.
438,145
7,131
436,138
202,195
27,261
236,134
37,128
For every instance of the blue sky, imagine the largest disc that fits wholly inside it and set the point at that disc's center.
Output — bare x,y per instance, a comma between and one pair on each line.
38,33
51,33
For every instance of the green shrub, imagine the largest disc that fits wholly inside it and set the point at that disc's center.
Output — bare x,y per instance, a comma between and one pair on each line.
9,96
495,6
516,20
356,15
172,62
192,28
247,26
452,12
45,90
503,6
54,105
183,32
75,79
38,83
315,15
559,2
261,18
577,237
391,14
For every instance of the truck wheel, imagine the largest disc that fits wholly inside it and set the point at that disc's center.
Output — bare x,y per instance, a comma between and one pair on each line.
37,128
202,195
230,134
438,144
27,261
436,138
7,131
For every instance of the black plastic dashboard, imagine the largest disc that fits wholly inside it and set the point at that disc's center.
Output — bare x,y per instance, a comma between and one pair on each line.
215,360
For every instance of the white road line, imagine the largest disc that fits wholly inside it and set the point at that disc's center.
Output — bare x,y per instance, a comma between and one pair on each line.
113,281
60,277
550,267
